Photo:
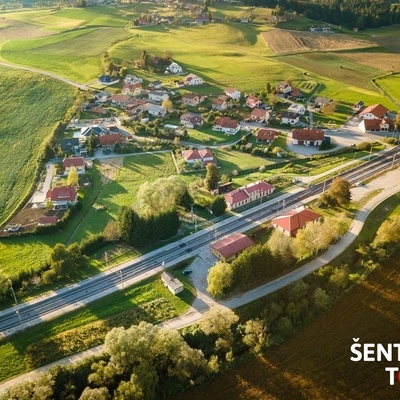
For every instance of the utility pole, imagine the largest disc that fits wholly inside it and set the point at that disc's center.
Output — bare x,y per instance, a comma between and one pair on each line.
120,275
394,156
16,303
106,258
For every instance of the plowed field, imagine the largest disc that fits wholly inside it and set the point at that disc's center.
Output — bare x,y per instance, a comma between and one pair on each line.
289,42
315,364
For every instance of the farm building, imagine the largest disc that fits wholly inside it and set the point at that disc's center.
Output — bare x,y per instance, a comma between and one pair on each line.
290,222
227,249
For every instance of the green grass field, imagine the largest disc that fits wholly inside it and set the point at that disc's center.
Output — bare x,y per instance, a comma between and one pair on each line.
391,85
148,300
31,107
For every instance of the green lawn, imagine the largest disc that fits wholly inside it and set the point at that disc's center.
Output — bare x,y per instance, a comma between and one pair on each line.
79,330
391,85
31,107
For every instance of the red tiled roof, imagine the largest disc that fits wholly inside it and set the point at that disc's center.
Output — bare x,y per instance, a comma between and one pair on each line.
62,193
267,134
206,153
226,122
235,196
73,161
233,244
259,113
375,124
377,109
295,219
131,86
105,140
307,134
191,155
258,186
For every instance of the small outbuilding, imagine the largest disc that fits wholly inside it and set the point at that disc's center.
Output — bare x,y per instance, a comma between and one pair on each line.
174,285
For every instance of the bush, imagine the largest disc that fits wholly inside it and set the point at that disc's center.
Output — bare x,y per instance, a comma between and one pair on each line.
92,243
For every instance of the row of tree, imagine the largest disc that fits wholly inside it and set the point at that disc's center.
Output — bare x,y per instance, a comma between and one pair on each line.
264,262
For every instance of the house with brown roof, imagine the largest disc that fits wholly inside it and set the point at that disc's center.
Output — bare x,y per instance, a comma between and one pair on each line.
307,136
253,192
233,93
259,115
192,99
132,89
219,104
77,162
204,156
229,248
377,125
226,125
109,141
376,111
253,102
290,222
120,100
266,135
136,106
62,196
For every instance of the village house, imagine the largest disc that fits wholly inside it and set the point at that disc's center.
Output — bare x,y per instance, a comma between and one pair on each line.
358,106
220,103
233,93
102,96
192,99
70,144
376,111
296,93
247,194
136,106
193,80
259,115
289,118
174,285
62,196
132,89
94,129
158,96
321,102
98,110
290,222
253,102
191,120
157,111
307,136
204,156
297,108
229,248
107,80
174,68
226,125
120,100
109,141
77,162
283,88
266,135
155,85
132,79
377,125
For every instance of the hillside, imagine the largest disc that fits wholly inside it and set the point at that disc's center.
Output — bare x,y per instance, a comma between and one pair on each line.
315,363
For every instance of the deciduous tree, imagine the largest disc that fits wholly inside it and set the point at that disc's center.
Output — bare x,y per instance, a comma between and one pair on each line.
211,179
73,178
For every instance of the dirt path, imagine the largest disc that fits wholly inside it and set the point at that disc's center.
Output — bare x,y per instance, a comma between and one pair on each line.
46,73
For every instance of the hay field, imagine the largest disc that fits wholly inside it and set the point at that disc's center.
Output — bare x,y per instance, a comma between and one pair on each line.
315,363
293,42
383,61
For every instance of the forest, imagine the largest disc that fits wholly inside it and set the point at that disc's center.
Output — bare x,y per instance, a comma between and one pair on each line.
359,14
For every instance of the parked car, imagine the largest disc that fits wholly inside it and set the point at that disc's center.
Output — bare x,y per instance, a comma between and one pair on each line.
187,272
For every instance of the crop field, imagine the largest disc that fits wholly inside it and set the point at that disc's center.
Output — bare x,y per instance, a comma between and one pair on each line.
315,363
121,179
294,42
376,59
31,106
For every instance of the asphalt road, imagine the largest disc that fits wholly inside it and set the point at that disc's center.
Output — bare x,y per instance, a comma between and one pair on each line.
79,294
